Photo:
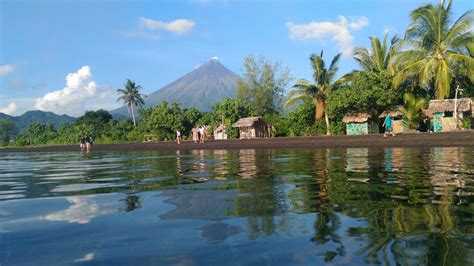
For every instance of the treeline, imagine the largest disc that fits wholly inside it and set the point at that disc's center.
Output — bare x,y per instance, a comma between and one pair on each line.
161,121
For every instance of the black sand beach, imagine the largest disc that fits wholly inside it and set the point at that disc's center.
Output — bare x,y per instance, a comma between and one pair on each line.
459,139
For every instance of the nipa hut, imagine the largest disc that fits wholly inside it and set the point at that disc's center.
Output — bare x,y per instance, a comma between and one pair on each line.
360,124
219,132
396,116
442,113
253,127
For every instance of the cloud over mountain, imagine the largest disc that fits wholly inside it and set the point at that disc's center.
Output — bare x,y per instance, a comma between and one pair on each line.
10,109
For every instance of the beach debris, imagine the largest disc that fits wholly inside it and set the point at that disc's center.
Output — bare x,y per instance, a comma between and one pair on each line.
362,180
200,179
399,197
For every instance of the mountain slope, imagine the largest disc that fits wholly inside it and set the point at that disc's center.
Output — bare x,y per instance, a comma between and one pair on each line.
201,88
22,121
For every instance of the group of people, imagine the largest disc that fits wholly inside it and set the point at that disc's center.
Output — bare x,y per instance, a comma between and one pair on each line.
199,134
85,143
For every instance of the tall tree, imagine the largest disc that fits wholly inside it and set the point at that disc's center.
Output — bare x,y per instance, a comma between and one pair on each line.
380,56
318,91
7,131
131,96
263,84
438,49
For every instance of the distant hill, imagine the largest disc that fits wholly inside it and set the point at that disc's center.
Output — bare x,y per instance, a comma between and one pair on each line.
29,117
209,83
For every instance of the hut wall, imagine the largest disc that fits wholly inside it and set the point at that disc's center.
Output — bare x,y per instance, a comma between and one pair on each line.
357,128
262,130
258,130
399,126
449,123
220,135
438,122
444,124
373,128
247,132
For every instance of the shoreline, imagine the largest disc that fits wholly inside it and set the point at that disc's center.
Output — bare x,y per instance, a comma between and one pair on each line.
415,140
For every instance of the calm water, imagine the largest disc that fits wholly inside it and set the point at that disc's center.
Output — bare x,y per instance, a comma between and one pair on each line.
237,207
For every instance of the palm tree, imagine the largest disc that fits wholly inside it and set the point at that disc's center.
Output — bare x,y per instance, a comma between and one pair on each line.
439,50
318,91
412,110
131,96
379,58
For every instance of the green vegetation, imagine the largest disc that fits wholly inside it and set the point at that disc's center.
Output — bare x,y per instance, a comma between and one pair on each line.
412,110
434,55
380,57
131,96
319,91
263,84
7,130
440,50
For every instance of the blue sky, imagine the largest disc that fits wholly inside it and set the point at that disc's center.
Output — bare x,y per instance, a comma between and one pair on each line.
71,56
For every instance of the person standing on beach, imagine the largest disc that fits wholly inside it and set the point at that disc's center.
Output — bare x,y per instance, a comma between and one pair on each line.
178,136
388,127
195,132
201,134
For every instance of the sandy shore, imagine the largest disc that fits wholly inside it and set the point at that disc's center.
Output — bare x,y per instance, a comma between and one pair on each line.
460,138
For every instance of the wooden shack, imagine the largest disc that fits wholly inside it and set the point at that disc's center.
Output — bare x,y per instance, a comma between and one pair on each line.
253,127
220,132
441,113
360,124
396,116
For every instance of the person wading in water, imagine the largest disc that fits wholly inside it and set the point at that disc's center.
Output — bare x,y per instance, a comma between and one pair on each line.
82,143
89,142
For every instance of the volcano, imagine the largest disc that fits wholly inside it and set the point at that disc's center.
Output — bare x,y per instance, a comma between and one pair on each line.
206,85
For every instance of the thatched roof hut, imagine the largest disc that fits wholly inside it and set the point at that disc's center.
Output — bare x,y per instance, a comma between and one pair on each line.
247,122
443,115
360,124
394,112
219,132
447,105
253,127
356,118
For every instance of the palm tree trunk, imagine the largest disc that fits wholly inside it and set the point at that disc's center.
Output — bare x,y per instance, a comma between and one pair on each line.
328,132
133,116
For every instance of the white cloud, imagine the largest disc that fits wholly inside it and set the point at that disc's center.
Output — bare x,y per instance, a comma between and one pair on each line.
87,257
82,210
6,69
339,32
179,26
80,94
10,109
